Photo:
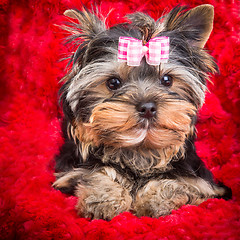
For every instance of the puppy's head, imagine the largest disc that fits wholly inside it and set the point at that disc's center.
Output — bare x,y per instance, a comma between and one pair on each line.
111,104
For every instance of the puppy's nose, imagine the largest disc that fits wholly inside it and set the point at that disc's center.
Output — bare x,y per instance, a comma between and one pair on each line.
147,110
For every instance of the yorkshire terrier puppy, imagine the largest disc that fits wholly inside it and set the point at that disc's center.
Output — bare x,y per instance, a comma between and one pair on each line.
130,113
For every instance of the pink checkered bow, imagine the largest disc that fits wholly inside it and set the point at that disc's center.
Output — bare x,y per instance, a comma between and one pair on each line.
131,50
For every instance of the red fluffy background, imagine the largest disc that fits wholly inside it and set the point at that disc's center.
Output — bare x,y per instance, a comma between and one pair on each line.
30,135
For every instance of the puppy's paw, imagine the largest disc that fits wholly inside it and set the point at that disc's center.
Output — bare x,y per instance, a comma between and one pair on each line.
153,201
159,198
102,202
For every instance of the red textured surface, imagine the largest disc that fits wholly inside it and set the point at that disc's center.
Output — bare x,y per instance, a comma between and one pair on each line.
30,136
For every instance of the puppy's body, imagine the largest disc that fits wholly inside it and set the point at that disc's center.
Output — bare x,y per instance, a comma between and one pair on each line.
130,130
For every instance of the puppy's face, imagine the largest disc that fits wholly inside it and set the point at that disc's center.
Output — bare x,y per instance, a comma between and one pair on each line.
153,107
123,106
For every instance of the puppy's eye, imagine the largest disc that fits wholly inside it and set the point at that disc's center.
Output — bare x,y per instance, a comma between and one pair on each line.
114,83
166,80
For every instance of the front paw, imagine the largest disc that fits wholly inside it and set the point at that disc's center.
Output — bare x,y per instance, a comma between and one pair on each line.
101,193
153,201
102,202
159,198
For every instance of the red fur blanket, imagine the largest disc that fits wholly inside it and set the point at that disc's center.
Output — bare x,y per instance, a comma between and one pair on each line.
30,47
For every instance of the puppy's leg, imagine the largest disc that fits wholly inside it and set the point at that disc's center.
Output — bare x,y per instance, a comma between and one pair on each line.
159,197
101,193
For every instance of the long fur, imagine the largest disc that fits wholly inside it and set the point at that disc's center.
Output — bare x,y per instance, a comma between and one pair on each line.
106,137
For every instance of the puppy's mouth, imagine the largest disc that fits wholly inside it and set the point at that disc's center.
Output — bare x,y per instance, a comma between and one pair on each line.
140,134
118,125
152,134
145,123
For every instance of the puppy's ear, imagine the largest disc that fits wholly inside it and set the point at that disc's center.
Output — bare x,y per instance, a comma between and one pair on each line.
82,31
195,25
88,26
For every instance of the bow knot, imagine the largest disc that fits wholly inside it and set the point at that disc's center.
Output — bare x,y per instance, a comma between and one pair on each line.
131,50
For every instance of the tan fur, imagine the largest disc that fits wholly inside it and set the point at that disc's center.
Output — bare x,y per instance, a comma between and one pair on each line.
131,172
104,193
64,179
117,124
143,162
102,196
159,197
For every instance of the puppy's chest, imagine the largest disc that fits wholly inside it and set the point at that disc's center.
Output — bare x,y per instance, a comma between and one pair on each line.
124,176
137,163
133,176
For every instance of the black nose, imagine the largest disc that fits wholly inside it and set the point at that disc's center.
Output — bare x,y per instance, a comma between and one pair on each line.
147,110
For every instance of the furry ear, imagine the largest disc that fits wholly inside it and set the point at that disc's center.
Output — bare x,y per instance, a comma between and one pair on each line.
89,24
196,24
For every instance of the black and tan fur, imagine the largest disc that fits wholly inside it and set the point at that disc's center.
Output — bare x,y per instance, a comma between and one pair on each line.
114,159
